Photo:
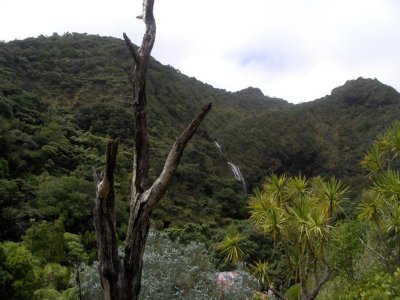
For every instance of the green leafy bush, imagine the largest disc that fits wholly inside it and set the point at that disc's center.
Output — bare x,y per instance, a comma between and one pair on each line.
19,269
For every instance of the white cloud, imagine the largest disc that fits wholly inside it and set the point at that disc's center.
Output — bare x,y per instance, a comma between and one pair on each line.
296,50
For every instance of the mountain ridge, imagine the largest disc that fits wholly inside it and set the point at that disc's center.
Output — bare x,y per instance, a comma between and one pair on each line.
62,97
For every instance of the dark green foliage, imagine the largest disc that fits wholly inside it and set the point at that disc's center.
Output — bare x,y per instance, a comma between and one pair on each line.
68,197
41,267
347,248
4,275
366,92
19,268
55,275
293,293
106,119
46,241
15,195
74,248
63,97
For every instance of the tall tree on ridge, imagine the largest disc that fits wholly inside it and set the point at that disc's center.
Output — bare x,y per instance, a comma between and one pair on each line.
121,276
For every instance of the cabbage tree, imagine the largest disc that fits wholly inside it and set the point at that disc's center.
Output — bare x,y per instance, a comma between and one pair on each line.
299,213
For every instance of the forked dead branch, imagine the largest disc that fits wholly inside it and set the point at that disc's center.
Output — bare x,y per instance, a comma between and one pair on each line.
121,276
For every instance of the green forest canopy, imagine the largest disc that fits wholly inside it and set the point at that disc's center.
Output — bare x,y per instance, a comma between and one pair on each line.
63,97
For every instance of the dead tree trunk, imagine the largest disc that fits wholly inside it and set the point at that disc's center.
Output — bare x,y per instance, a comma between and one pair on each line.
121,277
105,226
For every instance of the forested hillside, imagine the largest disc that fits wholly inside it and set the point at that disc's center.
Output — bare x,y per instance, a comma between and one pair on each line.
63,97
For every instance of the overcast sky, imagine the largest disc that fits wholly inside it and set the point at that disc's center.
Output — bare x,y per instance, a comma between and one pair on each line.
298,50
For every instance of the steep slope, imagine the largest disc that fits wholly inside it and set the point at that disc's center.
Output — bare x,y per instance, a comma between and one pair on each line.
348,120
62,96
89,76
328,136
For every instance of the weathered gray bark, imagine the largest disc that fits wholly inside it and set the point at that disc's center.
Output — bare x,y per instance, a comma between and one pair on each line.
320,283
105,225
121,277
142,204
324,277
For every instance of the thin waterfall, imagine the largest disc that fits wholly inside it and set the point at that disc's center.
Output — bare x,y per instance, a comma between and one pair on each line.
235,170
218,145
238,176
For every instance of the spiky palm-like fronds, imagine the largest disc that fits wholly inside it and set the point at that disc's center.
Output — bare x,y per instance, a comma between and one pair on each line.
231,247
371,207
268,215
297,188
275,187
388,185
300,214
333,194
374,160
261,270
381,202
393,220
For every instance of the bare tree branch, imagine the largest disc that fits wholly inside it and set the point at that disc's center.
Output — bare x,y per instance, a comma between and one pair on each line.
121,279
143,203
161,184
149,35
131,48
319,284
384,259
141,150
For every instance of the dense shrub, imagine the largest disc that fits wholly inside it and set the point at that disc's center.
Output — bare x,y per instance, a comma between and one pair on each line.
176,271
